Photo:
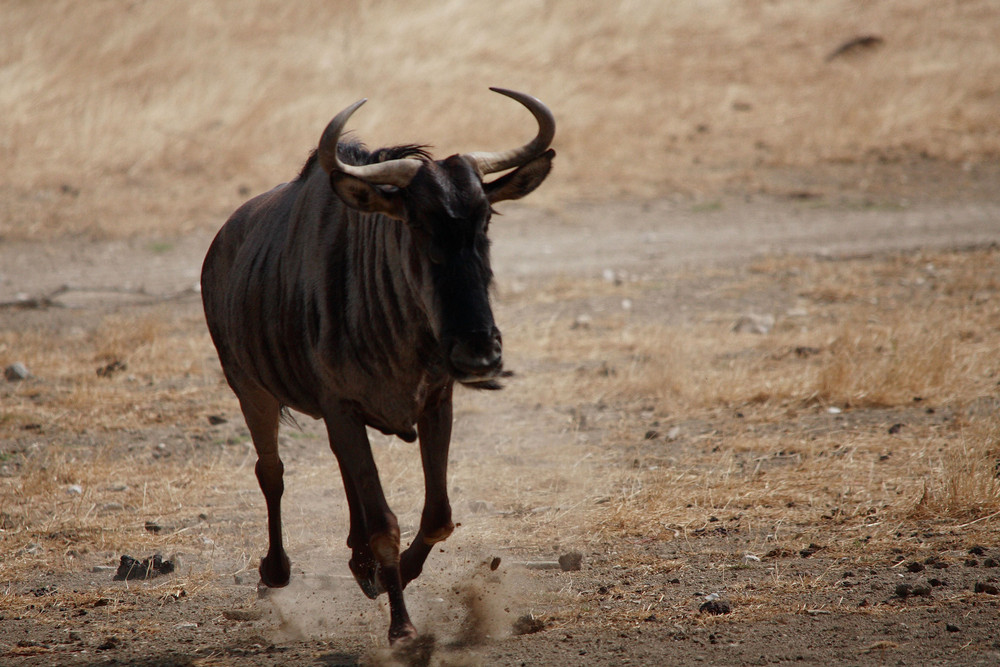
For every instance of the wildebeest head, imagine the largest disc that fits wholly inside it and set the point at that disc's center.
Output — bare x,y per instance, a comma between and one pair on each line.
448,205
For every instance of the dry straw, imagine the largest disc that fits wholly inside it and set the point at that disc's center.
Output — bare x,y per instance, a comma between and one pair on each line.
176,108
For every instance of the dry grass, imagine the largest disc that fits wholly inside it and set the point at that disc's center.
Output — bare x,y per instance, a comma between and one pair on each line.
183,110
792,428
137,369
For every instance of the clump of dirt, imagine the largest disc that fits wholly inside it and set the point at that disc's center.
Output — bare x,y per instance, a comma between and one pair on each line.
487,615
129,568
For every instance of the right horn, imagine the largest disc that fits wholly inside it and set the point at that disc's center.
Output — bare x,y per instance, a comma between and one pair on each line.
489,163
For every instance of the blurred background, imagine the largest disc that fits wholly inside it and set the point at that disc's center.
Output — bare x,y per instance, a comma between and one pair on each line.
159,117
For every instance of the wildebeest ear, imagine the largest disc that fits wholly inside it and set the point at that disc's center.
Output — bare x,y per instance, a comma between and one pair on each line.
363,196
522,180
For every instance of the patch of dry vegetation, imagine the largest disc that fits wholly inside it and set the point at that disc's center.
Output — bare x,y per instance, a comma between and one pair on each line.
207,103
872,403
130,370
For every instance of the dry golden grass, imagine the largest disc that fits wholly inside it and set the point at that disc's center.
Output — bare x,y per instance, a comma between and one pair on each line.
183,110
137,369
784,459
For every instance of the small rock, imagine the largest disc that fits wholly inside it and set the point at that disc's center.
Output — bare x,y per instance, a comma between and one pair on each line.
99,569
111,369
74,490
715,607
673,433
755,324
915,566
110,643
153,527
950,627
977,550
215,420
810,550
751,558
989,589
528,625
494,564
991,562
571,561
903,590
895,428
855,46
129,568
16,372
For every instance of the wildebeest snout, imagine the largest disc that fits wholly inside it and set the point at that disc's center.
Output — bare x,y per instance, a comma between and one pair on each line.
477,355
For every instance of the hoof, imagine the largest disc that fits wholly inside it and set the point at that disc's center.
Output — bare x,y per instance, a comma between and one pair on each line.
405,637
368,579
275,573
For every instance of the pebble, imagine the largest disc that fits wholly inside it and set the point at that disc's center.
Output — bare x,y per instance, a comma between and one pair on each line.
571,561
715,607
755,324
989,589
16,372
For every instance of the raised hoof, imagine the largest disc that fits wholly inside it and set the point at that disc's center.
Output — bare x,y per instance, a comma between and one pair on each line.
368,579
275,573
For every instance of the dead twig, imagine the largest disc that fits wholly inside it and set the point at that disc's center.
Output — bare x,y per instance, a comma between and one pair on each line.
48,300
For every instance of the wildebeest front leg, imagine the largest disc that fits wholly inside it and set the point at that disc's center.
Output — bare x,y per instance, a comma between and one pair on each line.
434,428
262,413
377,529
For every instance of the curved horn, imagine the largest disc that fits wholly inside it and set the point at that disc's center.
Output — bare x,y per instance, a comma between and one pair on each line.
392,172
489,163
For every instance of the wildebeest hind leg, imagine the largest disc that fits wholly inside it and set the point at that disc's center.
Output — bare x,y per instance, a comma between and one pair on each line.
435,521
262,412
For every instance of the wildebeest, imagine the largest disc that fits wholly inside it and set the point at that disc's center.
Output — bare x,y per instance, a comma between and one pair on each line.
359,293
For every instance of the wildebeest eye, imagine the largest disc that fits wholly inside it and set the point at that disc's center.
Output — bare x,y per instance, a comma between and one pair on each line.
435,253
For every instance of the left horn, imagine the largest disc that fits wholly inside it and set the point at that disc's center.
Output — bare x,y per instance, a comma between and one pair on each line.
392,172
489,163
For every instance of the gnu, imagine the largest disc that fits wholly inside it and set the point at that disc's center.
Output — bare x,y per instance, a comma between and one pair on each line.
359,293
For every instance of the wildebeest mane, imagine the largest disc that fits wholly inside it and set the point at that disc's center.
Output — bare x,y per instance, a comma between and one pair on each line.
356,153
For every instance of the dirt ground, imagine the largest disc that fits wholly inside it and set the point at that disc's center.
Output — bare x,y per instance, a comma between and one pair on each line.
531,482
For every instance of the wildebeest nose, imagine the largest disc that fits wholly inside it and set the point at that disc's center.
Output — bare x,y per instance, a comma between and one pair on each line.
477,355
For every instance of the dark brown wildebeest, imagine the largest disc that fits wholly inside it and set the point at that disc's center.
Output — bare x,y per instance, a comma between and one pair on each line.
359,294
